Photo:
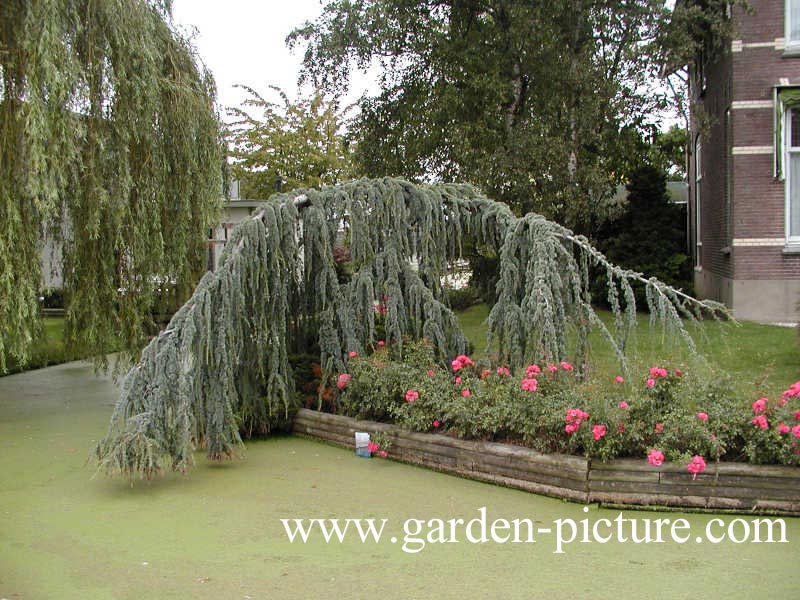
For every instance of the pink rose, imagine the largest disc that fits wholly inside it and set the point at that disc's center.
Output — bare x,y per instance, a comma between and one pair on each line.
529,385
381,343
575,415
794,390
650,382
485,373
566,366
461,361
655,458
412,395
702,416
621,427
552,368
373,447
623,404
783,428
383,454
796,414
503,371
796,431
430,373
696,465
598,431
760,405
619,379
659,427
436,423
465,393
352,354
457,380
760,421
342,380
571,428
532,370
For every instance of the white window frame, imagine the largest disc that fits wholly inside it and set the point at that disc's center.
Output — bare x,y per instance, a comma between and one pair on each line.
698,180
788,151
789,7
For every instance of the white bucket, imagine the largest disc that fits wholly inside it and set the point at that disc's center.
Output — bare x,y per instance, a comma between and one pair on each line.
362,441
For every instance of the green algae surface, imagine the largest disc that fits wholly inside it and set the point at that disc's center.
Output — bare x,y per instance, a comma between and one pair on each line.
217,533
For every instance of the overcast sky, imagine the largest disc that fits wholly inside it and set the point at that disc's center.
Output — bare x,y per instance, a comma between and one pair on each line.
242,41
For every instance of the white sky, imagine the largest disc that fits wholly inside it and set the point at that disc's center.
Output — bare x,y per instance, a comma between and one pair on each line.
243,42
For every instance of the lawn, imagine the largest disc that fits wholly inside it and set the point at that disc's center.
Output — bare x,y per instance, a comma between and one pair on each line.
47,349
764,359
217,533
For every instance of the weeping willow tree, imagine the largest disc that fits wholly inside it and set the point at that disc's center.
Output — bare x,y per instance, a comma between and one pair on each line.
221,367
109,149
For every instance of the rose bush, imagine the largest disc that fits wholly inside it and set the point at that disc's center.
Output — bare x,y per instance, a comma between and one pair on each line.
664,413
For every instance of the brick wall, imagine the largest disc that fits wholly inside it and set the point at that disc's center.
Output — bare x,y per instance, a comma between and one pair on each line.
759,198
713,208
768,262
742,203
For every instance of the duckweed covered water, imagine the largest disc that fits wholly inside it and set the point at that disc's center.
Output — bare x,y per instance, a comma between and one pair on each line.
217,533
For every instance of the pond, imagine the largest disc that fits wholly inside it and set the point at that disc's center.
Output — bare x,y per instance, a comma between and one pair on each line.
218,532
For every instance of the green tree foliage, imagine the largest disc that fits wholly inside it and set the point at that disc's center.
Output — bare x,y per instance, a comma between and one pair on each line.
698,31
542,104
109,146
668,152
650,236
301,142
221,367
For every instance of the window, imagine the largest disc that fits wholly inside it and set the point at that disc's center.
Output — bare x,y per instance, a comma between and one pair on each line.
793,23
728,177
698,180
792,158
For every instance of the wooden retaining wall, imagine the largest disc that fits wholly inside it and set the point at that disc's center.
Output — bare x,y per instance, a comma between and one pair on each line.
732,486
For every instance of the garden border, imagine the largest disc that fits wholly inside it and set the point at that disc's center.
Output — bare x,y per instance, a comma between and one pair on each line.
734,487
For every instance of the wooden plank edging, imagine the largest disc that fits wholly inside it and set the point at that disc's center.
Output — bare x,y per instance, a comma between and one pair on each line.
733,487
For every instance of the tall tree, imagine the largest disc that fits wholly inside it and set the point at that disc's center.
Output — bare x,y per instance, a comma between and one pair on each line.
696,35
110,148
541,104
300,141
221,369
668,152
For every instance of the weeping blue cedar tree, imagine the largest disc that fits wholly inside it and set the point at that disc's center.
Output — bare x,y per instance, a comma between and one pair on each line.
221,368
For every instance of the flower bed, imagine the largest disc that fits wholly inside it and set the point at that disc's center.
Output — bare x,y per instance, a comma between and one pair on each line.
738,487
690,416
657,438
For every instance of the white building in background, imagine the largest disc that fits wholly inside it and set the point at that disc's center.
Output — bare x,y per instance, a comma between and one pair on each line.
234,210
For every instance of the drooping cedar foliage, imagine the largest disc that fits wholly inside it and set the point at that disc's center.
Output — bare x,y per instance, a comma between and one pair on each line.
221,367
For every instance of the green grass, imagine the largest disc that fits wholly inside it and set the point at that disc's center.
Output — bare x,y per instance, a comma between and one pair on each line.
48,349
763,359
217,533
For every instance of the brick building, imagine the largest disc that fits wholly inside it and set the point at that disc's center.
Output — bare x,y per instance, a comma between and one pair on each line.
744,166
